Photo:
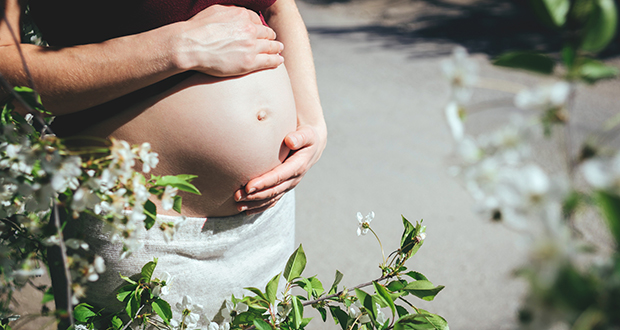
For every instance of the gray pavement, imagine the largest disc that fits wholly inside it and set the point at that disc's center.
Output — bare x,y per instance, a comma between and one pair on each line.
388,152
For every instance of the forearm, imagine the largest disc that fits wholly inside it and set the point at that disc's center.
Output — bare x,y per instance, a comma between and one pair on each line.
75,78
220,41
285,19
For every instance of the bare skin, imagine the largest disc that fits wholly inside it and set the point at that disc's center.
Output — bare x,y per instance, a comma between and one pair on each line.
221,42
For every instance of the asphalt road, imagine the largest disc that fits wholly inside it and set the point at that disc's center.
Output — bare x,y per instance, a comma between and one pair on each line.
389,150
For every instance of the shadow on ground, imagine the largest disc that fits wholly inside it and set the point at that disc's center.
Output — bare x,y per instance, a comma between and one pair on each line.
485,26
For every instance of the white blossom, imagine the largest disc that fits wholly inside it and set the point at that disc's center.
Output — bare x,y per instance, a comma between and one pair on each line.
162,288
543,97
364,222
603,173
75,244
149,159
65,176
170,228
356,313
462,72
167,199
230,310
192,312
455,121
84,198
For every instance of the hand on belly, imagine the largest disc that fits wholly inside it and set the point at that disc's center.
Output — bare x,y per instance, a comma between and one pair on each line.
226,131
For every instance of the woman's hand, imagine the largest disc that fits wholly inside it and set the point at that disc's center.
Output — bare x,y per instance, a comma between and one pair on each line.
226,41
306,144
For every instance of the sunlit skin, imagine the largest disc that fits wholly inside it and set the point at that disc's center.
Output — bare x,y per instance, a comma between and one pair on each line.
225,130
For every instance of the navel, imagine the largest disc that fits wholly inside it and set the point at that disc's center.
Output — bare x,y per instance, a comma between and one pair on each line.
261,115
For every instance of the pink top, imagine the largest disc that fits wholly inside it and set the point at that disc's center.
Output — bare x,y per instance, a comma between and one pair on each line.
78,22
75,22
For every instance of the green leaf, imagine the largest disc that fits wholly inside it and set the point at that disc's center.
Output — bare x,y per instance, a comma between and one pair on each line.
125,291
323,313
396,285
417,276
147,271
551,12
382,292
557,10
592,71
162,308
261,325
295,264
369,304
83,312
317,286
272,288
610,207
127,279
421,321
178,200
257,292
177,181
402,311
132,306
601,26
245,318
150,210
117,323
48,296
409,229
305,284
423,289
529,61
339,316
297,313
568,56
305,321
337,280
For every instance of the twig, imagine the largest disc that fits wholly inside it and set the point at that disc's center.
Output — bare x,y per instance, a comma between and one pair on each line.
65,264
310,302
128,323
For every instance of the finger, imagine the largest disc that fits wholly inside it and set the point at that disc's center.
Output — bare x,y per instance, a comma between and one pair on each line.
267,61
258,204
271,192
291,168
302,137
265,32
268,46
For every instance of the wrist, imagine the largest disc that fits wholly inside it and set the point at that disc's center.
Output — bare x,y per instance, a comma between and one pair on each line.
177,49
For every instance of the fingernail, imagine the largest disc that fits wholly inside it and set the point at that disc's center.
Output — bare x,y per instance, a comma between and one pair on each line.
251,190
242,208
294,141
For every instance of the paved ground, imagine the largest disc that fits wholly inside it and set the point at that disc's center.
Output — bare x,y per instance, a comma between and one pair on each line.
389,149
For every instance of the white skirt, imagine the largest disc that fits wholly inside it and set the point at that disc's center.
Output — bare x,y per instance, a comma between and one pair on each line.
209,259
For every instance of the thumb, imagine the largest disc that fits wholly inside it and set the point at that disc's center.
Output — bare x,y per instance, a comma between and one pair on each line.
295,140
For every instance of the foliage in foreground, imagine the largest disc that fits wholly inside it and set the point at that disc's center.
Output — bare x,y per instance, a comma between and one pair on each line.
503,172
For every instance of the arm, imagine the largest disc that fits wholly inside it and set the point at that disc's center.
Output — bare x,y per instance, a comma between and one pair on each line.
219,41
310,138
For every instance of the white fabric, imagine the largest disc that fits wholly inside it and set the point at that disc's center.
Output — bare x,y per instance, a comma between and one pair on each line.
210,259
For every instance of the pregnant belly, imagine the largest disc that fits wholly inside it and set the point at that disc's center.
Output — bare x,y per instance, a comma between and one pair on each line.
226,131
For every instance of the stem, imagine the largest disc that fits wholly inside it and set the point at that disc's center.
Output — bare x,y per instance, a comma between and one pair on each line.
335,295
570,163
65,264
128,323
381,245
310,302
